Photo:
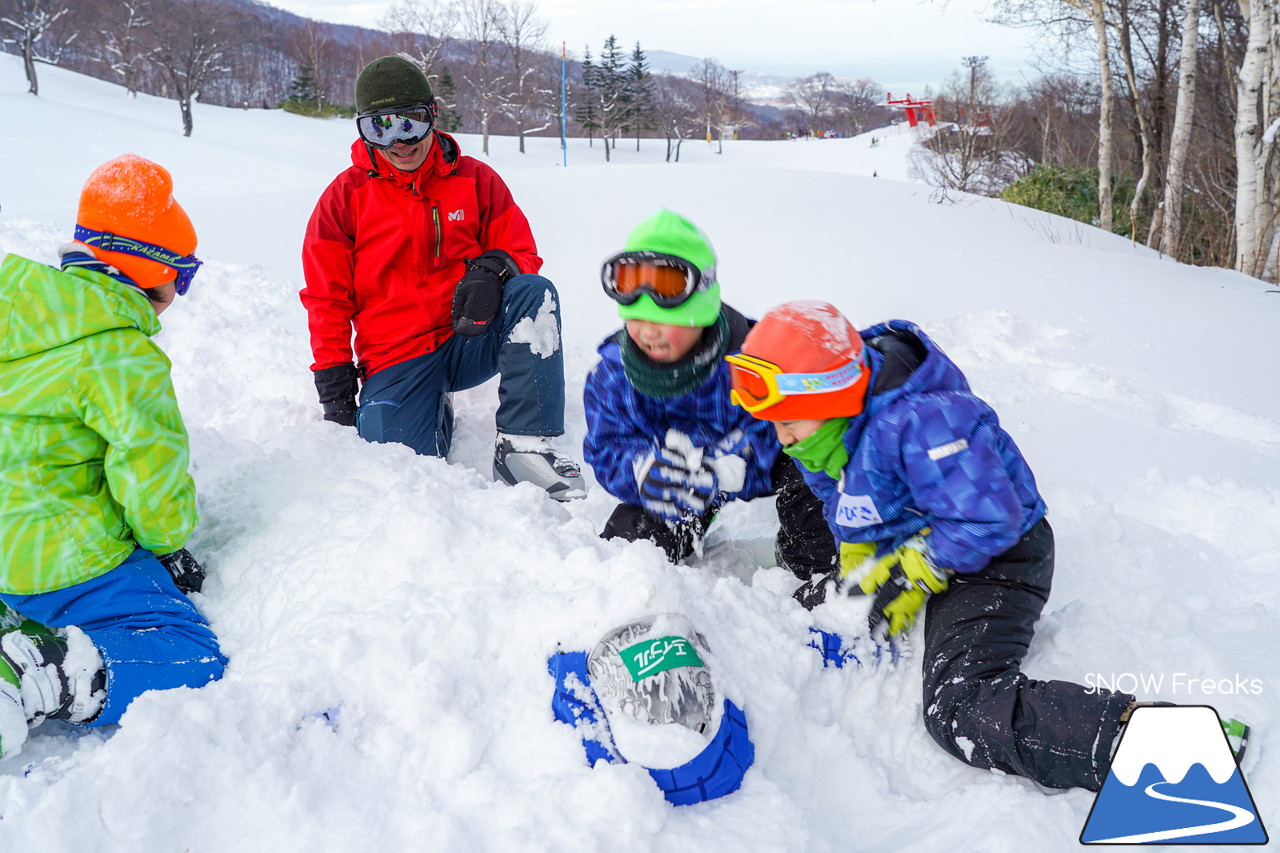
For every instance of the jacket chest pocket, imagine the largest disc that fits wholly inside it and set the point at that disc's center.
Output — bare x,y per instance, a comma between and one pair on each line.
453,231
435,236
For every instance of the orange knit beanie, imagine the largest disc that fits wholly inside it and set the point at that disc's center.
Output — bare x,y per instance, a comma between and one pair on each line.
132,197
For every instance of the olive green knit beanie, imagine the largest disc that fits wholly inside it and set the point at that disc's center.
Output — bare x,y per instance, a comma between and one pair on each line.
391,81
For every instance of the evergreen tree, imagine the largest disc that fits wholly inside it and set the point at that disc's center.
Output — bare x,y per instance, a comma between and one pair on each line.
446,90
615,106
585,112
640,92
303,90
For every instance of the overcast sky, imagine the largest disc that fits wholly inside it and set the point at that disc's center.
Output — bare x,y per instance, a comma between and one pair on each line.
899,43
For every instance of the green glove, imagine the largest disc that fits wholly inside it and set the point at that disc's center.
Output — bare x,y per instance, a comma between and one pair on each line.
901,581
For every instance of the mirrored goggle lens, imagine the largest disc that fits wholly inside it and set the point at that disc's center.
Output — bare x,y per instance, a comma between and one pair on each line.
754,392
666,280
386,129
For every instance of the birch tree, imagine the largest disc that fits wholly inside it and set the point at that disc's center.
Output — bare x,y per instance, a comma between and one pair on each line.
1140,111
1180,140
1271,148
1255,140
1057,12
1098,18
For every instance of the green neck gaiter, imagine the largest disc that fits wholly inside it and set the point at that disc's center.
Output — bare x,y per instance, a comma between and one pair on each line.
663,380
824,451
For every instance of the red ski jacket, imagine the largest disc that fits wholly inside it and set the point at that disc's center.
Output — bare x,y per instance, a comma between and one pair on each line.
384,250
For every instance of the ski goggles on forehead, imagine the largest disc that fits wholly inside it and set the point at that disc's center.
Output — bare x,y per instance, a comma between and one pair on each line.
184,265
756,384
407,124
667,279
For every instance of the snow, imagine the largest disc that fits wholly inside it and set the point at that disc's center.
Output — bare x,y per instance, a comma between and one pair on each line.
423,600
540,332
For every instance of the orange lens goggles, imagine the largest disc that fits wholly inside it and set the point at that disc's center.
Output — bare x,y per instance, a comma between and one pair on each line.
662,280
756,384
667,279
752,383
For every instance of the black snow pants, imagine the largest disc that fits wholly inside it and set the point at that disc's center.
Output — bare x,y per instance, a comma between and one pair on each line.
977,703
805,544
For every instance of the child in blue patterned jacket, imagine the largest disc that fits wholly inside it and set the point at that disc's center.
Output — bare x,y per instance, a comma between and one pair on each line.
930,501
662,435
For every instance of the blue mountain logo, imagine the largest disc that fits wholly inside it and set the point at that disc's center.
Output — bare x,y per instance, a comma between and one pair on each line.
1174,781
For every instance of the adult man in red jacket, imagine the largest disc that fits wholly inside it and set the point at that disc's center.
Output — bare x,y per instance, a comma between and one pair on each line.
424,254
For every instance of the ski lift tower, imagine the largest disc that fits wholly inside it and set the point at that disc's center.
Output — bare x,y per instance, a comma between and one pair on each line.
917,110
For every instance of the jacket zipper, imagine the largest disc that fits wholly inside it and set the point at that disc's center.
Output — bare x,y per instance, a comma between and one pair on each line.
435,219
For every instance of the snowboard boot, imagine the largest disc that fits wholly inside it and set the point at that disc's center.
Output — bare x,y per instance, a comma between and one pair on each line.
53,677
9,618
13,720
532,459
1237,733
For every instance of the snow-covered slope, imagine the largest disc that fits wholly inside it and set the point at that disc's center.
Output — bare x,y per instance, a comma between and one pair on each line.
423,600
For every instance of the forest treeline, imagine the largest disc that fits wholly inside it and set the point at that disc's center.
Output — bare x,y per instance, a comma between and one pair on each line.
489,61
1160,122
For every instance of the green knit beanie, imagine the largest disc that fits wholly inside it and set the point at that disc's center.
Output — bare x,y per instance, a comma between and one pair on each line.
391,81
672,234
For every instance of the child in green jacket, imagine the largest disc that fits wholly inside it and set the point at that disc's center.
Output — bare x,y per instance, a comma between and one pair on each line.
93,466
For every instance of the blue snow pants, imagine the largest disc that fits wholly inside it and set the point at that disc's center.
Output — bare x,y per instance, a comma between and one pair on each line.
150,635
407,403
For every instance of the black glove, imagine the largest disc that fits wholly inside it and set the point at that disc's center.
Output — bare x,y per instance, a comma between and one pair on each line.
814,591
187,574
479,295
337,387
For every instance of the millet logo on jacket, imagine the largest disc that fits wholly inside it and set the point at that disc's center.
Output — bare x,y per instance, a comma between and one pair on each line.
457,215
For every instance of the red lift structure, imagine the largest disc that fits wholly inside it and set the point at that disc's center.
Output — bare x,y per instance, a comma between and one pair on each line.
917,110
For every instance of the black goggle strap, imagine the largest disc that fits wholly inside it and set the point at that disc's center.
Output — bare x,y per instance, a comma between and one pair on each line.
701,280
184,265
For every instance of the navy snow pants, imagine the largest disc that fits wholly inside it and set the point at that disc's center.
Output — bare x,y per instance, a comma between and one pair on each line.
408,402
977,703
